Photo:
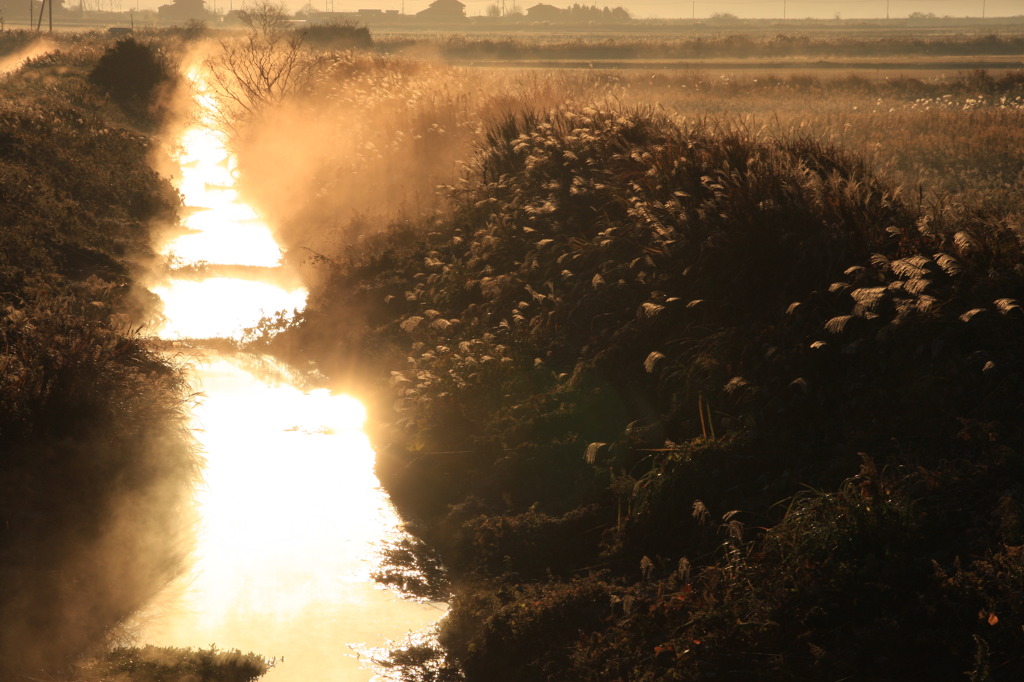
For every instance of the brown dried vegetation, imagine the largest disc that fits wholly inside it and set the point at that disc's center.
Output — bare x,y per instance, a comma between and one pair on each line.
96,462
707,397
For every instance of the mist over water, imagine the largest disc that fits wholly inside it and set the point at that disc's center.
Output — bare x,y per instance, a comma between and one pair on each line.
218,230
290,516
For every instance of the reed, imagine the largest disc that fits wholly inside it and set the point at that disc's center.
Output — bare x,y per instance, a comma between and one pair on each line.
822,266
804,302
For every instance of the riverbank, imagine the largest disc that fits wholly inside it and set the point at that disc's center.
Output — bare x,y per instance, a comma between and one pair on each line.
98,461
729,396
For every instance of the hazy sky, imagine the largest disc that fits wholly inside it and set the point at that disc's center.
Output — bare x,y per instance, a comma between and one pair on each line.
642,9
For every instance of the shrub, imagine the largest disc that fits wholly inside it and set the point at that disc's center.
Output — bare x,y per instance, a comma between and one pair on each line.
135,75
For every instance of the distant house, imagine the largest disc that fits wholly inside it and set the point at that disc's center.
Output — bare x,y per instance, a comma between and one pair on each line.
444,9
543,12
180,10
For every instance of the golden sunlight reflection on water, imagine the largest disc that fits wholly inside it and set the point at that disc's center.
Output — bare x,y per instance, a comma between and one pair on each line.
290,516
220,306
219,229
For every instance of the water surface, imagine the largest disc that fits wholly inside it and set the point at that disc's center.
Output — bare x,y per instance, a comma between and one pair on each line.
290,516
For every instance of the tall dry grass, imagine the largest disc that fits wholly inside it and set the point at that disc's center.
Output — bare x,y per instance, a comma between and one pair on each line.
376,137
621,339
97,463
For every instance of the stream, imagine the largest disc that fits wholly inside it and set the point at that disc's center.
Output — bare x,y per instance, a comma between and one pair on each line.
291,519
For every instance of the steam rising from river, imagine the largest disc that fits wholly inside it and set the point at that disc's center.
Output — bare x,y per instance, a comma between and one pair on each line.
219,230
376,141
291,516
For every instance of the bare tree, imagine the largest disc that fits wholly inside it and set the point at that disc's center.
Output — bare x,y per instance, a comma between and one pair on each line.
265,17
260,69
